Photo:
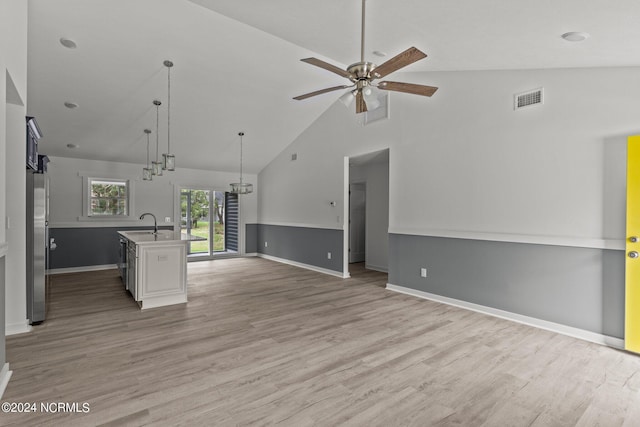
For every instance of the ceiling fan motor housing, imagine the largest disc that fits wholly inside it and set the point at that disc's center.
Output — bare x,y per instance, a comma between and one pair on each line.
360,71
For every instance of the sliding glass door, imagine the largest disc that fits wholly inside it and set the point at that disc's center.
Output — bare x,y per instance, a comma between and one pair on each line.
204,214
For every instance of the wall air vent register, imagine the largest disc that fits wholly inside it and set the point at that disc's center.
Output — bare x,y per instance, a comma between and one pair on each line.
529,98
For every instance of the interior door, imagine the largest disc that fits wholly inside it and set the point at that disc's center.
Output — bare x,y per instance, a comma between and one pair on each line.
632,263
357,222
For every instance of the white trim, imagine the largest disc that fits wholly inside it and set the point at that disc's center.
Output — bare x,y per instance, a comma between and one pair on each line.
376,268
5,376
86,197
82,269
250,254
161,301
578,242
300,225
17,328
514,317
307,266
345,216
107,224
4,249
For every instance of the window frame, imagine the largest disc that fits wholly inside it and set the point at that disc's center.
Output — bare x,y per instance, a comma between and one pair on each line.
87,182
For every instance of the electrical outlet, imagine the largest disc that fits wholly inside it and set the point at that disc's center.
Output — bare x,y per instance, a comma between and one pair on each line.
328,255
266,244
423,272
167,219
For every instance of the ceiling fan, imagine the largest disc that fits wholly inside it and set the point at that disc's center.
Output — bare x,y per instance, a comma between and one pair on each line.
362,75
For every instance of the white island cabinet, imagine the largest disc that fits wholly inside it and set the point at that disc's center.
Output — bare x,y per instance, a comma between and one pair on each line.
156,267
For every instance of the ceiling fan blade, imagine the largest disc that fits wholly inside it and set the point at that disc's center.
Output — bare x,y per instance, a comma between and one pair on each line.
401,60
320,92
361,106
329,67
408,88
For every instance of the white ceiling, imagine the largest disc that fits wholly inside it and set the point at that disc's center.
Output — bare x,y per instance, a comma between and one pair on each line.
237,63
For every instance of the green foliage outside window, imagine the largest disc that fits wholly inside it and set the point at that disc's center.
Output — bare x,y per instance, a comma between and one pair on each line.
109,198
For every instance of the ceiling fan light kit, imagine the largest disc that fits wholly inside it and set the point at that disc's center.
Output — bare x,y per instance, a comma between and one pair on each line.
362,75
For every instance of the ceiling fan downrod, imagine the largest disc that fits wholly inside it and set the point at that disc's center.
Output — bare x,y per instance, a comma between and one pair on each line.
362,35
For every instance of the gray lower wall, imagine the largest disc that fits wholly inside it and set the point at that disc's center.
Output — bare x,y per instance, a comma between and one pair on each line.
302,244
251,238
578,287
87,246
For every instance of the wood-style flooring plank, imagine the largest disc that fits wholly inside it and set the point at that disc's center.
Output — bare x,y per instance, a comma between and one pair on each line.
263,343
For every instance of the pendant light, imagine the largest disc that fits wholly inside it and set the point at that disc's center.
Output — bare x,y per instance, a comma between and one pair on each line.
241,187
157,165
147,173
168,159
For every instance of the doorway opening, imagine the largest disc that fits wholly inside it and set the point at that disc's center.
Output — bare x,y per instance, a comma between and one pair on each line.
367,231
213,217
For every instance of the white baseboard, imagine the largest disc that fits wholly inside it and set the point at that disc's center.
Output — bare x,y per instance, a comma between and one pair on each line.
5,376
514,317
307,266
17,328
82,269
376,268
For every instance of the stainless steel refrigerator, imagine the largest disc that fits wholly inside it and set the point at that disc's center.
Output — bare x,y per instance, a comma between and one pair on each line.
37,245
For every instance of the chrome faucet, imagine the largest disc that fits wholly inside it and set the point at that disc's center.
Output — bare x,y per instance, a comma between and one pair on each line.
155,222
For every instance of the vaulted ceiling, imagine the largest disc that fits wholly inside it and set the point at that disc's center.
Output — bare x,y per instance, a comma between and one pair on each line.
237,63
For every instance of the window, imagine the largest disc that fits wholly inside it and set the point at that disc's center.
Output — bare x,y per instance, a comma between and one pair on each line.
107,198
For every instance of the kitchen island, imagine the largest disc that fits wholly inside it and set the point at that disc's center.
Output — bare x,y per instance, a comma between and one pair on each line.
155,271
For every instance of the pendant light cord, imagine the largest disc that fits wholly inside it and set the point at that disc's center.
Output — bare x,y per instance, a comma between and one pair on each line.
241,135
169,111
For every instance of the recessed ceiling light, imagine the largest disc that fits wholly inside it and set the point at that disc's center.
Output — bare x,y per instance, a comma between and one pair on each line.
72,145
379,53
575,36
68,43
70,105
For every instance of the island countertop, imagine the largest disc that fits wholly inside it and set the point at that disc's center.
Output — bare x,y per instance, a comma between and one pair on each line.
145,237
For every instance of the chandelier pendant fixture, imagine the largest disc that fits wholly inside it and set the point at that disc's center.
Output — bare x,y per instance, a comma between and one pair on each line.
157,165
168,159
147,172
241,187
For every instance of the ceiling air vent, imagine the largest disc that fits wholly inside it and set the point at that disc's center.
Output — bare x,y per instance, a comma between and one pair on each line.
526,99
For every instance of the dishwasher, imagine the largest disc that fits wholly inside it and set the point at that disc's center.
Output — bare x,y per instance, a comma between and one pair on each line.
122,261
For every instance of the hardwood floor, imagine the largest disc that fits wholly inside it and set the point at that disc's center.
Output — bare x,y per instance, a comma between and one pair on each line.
262,343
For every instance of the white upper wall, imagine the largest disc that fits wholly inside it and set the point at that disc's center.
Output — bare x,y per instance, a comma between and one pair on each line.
13,63
465,161
157,196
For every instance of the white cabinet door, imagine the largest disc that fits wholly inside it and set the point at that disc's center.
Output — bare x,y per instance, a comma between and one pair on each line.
162,270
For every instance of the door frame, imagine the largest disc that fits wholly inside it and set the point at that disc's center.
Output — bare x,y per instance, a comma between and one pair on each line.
632,246
177,215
